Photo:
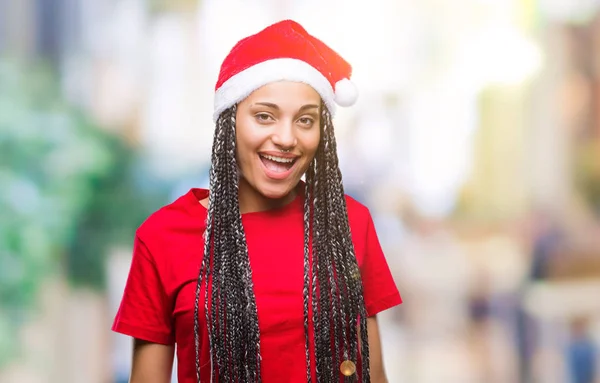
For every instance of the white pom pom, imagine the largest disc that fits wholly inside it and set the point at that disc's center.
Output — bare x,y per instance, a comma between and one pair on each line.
346,92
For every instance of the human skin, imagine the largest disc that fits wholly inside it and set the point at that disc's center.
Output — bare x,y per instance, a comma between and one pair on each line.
279,121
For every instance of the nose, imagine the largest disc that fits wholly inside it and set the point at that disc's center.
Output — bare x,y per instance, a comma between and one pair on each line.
284,136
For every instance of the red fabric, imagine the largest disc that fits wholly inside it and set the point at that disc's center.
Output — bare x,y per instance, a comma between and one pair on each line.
158,301
285,39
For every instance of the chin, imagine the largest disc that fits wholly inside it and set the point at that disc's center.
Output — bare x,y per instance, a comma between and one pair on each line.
276,191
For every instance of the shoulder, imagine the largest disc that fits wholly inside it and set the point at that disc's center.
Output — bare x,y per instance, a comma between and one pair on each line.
184,215
359,218
357,212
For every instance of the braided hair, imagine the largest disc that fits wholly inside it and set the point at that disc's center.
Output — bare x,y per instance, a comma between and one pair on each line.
332,284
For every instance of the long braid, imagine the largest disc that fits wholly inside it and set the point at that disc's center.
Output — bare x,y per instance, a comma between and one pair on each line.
307,264
310,184
335,265
242,313
205,269
231,316
230,271
221,251
342,292
352,273
323,332
243,278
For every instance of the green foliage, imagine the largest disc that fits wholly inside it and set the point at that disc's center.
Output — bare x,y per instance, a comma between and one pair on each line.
122,199
48,153
68,193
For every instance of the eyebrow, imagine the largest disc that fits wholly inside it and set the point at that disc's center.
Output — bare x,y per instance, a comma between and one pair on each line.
276,107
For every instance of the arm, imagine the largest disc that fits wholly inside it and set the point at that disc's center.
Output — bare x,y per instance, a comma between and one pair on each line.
145,315
379,288
375,355
152,362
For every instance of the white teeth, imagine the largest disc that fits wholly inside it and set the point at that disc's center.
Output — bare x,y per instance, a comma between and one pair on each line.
278,159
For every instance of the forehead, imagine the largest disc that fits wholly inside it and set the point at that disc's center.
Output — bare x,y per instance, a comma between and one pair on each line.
285,93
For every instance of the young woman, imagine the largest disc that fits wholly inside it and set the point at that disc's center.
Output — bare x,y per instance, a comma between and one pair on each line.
263,277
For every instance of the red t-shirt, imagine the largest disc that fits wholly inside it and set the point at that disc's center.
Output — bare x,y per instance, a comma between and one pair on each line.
158,301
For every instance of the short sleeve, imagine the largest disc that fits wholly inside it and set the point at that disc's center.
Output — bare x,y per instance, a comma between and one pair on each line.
145,309
379,289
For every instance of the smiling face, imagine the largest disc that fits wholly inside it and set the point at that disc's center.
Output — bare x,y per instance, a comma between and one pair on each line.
277,133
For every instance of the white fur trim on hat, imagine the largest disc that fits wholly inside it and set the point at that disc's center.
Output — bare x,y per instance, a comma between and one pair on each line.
239,86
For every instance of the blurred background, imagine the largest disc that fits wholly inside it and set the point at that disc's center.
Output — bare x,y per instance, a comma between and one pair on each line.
475,143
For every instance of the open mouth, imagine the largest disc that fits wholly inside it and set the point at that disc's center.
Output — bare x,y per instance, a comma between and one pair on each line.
277,164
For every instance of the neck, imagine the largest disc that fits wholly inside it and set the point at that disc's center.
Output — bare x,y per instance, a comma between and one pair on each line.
251,200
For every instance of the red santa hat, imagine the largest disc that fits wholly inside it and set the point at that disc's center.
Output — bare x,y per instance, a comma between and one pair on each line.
283,51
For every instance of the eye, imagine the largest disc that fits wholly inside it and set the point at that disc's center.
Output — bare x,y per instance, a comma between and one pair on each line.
263,117
306,121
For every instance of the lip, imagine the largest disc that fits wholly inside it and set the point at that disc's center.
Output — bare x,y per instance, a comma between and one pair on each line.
280,154
274,175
